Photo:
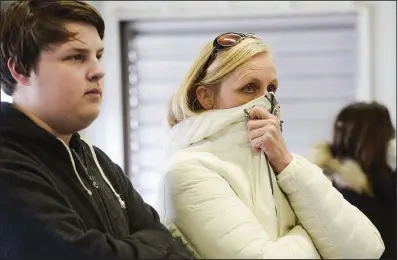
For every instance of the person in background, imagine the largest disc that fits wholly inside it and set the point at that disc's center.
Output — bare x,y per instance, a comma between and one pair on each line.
232,189
60,197
361,163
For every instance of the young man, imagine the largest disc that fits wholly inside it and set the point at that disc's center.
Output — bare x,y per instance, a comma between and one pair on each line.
61,198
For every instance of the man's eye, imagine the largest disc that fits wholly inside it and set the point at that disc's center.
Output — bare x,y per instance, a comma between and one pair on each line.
271,88
249,89
76,57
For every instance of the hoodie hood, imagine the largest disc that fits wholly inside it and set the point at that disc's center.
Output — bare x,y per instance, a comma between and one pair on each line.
211,123
15,123
18,126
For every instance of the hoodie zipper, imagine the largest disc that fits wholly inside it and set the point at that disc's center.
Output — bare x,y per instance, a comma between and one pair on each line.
91,177
95,184
117,195
274,103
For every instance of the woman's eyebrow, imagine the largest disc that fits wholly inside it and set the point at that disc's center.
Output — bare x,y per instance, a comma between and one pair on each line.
274,82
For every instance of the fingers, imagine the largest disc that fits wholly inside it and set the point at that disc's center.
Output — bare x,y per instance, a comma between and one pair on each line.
263,142
264,135
255,133
254,124
263,129
260,113
269,127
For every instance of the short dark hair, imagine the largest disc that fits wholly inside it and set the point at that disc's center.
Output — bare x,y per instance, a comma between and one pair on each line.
28,27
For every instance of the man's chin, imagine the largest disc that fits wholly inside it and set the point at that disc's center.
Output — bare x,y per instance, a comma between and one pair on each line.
89,117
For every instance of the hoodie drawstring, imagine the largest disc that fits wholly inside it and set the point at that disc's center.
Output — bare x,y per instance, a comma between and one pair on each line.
122,203
74,168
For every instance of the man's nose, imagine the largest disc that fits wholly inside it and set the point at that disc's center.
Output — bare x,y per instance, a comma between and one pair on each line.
97,72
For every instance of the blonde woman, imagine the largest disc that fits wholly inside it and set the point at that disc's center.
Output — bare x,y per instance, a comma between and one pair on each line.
233,190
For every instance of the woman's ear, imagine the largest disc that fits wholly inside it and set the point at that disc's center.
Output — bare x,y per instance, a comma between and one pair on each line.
205,97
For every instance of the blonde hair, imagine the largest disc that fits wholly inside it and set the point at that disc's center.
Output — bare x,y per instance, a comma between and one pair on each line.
183,103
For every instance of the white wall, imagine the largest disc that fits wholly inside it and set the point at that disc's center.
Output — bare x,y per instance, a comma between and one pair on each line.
379,63
4,97
384,54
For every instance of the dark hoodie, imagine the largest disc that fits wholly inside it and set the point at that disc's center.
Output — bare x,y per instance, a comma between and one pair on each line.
376,199
60,202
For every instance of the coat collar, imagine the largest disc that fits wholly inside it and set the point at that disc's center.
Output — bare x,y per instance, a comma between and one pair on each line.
220,124
345,173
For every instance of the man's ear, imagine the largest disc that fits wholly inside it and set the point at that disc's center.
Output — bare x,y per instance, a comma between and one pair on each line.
205,97
20,78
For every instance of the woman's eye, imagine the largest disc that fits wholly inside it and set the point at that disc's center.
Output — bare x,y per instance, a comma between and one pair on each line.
249,89
271,88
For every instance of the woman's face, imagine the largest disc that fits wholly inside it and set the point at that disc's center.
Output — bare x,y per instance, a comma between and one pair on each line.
248,82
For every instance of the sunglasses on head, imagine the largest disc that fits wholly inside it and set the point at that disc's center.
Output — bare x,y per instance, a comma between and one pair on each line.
221,42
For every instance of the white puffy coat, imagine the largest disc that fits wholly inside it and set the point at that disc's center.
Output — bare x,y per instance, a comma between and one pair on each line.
220,198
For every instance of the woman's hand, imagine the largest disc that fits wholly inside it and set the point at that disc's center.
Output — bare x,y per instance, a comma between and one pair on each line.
265,135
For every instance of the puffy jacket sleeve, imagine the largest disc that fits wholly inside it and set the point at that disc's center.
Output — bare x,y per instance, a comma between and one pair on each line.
338,229
217,224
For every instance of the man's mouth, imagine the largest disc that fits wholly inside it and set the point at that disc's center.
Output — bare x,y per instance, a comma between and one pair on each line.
94,92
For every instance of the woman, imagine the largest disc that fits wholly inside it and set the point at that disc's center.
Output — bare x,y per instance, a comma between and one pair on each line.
232,188
361,162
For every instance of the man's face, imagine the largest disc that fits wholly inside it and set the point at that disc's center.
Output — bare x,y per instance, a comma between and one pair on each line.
66,85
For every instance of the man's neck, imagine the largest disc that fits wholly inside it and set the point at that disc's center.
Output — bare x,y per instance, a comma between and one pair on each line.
42,124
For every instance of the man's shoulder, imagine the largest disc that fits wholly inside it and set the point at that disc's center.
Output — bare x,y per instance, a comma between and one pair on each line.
15,151
21,164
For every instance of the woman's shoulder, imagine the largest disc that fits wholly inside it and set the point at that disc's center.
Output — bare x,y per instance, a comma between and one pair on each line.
193,159
194,164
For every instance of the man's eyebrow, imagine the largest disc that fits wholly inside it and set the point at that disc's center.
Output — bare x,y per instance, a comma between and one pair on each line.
83,50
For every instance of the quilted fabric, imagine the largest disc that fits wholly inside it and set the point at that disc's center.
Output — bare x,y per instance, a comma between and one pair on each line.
220,200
